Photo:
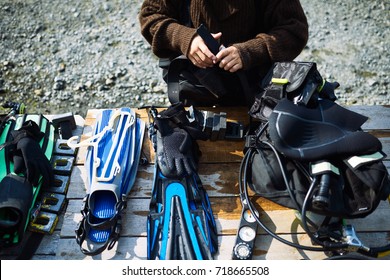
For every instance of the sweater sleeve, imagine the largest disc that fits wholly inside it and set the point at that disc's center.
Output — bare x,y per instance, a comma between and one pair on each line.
159,21
282,38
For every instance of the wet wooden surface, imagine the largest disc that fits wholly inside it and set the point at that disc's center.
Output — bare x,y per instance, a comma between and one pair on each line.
219,174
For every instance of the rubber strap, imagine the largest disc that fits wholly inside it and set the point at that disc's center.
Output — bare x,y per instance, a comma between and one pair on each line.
81,235
114,224
175,67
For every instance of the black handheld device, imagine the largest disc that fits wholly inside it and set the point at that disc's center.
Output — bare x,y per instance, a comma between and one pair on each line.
211,43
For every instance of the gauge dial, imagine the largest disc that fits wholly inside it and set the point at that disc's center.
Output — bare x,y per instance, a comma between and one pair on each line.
247,234
248,216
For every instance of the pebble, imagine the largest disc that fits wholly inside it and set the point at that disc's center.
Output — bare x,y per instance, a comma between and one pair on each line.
61,67
59,85
88,84
38,92
110,82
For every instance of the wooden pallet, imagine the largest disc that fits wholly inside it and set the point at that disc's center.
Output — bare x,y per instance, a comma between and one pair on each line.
219,173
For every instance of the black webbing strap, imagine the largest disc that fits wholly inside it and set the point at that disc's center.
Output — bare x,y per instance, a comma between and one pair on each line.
81,236
114,224
173,77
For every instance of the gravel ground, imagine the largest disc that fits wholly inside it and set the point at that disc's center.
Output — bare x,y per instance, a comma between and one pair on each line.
58,56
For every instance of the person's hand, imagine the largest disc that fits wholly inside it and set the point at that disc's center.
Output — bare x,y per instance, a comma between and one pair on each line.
199,53
229,59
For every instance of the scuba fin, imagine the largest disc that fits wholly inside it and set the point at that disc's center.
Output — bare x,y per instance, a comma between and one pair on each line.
19,205
111,163
180,223
16,197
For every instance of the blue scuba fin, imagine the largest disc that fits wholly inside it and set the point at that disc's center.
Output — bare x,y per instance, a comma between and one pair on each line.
180,223
112,163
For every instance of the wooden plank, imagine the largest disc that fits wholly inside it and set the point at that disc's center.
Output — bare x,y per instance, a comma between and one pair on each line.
266,248
218,180
231,151
378,116
227,211
386,146
78,180
227,151
49,244
127,248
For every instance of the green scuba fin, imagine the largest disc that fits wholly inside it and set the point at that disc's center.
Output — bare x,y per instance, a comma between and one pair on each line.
19,199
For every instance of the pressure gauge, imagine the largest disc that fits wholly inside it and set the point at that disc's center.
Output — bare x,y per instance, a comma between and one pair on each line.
248,216
247,234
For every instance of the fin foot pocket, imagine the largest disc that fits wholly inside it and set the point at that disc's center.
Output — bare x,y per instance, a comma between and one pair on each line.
16,195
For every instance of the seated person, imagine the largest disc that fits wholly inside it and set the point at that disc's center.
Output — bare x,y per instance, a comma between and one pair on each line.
254,34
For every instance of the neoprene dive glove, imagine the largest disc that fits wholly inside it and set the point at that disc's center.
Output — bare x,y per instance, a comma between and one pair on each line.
28,157
177,151
174,153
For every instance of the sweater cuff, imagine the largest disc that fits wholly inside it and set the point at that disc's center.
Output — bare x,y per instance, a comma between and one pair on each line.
253,53
181,37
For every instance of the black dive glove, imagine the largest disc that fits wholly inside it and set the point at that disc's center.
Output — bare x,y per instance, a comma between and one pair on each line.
176,150
28,157
175,153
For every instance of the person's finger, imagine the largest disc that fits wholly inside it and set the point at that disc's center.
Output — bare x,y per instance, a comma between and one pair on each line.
217,36
206,55
224,52
225,63
234,68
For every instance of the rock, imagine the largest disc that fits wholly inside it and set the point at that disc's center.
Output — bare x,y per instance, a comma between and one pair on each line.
88,84
110,82
61,67
59,83
38,92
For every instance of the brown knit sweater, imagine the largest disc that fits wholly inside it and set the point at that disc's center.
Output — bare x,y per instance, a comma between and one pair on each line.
272,30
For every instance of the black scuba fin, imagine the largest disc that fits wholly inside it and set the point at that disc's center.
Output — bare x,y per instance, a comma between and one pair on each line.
16,196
